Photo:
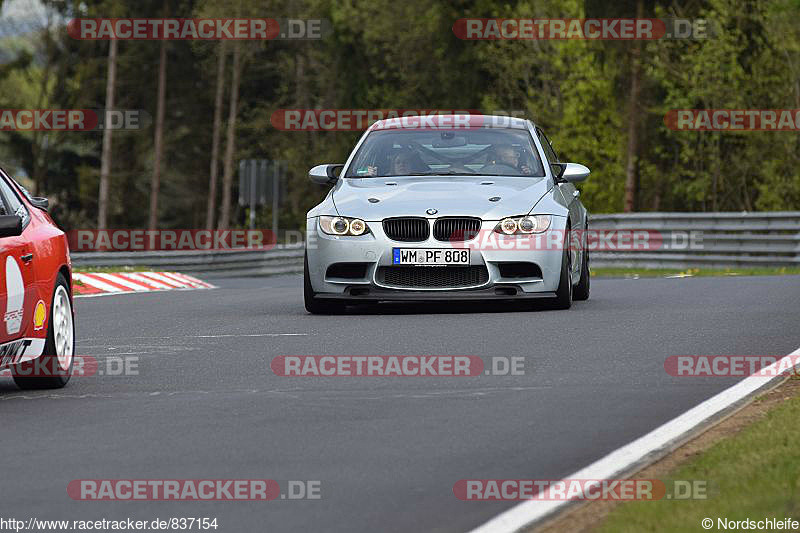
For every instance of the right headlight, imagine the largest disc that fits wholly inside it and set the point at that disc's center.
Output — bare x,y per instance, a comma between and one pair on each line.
523,225
343,226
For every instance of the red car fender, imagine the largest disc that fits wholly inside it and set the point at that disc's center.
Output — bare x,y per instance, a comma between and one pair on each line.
50,250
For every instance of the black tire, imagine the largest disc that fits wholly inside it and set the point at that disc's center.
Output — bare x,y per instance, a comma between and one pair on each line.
563,299
26,375
581,290
314,305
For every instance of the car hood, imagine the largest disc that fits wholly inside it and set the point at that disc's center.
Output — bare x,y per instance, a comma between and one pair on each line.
449,195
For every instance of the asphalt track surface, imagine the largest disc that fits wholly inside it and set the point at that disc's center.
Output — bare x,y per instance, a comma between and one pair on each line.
206,405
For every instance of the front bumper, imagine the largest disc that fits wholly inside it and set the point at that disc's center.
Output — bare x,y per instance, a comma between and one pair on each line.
374,251
504,292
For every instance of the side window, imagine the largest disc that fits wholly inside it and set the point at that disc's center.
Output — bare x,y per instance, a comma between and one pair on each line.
11,202
548,148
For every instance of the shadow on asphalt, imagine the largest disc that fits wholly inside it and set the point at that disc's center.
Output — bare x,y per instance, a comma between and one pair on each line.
450,308
7,386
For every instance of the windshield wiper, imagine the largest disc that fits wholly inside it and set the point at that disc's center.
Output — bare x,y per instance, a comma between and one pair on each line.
445,173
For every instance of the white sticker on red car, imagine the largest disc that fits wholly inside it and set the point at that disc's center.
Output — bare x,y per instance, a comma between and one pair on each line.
20,350
15,289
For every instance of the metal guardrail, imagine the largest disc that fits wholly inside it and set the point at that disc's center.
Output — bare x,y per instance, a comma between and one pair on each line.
282,259
710,240
715,240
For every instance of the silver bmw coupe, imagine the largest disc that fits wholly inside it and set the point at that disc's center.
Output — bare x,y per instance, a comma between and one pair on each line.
448,208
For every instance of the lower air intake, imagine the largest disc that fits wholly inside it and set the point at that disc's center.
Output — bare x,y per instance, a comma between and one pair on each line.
426,277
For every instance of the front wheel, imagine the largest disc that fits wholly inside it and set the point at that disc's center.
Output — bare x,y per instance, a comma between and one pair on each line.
53,368
581,291
563,298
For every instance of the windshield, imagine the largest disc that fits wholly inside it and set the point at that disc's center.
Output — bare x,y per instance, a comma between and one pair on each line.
437,152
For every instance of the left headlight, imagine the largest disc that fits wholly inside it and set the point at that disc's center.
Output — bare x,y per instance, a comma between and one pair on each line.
343,226
523,225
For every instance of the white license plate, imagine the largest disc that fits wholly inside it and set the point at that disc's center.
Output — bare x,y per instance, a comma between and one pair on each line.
430,256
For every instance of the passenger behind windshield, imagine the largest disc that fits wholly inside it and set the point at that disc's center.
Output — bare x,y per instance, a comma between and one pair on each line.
507,156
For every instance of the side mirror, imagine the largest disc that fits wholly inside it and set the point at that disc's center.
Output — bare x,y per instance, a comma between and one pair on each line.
41,203
325,174
570,172
10,225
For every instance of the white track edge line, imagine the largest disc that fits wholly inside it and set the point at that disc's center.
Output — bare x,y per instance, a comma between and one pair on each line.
642,451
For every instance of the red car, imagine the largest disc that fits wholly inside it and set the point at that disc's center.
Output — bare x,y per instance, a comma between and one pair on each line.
37,335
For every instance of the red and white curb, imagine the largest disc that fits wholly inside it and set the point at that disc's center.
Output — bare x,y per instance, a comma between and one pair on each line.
101,283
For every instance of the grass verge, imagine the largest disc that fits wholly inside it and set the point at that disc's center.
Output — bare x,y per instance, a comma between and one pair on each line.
749,462
755,472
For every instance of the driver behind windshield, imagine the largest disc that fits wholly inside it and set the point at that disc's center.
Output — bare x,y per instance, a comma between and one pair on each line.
404,163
